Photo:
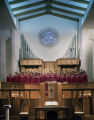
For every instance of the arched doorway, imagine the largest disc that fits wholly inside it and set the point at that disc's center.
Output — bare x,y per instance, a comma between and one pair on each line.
52,115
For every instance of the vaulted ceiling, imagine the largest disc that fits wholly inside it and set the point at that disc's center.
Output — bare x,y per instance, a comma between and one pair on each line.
68,9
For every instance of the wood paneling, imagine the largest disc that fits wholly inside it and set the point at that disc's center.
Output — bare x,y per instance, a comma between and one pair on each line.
30,62
38,65
28,102
23,62
23,69
68,61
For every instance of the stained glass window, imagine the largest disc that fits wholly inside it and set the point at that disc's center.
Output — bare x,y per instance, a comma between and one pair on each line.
48,38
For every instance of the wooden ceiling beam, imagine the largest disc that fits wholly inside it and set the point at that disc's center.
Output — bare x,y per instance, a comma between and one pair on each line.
30,11
17,1
68,5
64,16
50,13
28,6
32,16
81,1
67,11
45,8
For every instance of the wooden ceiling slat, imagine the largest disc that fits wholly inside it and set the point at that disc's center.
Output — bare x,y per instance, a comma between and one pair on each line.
44,8
51,13
66,17
28,6
56,2
32,16
67,11
69,5
30,11
81,1
17,1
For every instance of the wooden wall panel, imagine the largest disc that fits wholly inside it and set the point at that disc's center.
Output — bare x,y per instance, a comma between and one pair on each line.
23,69
35,94
58,69
27,70
89,117
56,65
6,85
25,104
25,62
33,103
42,94
86,106
39,98
68,102
68,62
59,62
63,62
15,107
40,69
30,62
75,61
48,66
21,62
59,94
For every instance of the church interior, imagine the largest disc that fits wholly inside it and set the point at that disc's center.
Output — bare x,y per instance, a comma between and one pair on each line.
46,59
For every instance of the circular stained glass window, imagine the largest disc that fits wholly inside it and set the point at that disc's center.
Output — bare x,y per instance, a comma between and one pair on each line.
48,38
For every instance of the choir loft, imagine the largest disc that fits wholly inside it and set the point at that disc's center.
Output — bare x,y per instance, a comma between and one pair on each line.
46,60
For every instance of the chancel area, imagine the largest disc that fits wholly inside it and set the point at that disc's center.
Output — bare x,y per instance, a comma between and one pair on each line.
46,59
